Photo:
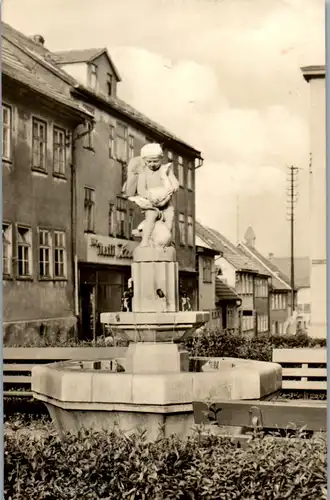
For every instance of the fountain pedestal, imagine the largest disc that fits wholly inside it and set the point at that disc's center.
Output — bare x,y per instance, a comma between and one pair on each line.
155,391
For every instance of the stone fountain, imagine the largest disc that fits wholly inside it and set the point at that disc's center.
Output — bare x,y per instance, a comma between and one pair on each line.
154,390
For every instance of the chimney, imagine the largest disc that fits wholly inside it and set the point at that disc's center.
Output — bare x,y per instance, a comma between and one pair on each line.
270,255
250,237
38,39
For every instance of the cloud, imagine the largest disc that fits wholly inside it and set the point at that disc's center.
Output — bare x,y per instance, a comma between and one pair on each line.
225,76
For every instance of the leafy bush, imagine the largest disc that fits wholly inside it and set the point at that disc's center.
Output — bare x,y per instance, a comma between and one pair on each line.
215,343
96,466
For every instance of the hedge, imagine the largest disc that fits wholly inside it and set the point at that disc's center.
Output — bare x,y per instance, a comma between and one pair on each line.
215,343
106,466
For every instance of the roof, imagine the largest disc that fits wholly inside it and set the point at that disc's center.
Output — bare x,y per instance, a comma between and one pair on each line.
266,266
127,110
224,292
230,252
15,69
83,55
47,59
301,268
316,71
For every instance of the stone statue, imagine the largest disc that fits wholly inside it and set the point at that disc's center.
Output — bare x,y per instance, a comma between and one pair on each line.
151,185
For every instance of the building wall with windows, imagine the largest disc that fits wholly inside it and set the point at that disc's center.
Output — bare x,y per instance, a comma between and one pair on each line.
103,214
36,251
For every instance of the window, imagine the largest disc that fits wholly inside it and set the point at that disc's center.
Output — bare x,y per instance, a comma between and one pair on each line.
130,223
121,139
44,253
89,210
190,229
59,254
121,217
182,229
111,141
190,176
89,137
169,155
110,84
180,171
6,132
207,270
112,224
93,76
39,144
7,249
59,151
24,252
131,147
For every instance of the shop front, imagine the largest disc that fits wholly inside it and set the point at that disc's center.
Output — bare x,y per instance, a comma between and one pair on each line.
188,287
103,278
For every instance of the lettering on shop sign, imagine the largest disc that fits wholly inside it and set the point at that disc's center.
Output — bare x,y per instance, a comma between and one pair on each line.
119,251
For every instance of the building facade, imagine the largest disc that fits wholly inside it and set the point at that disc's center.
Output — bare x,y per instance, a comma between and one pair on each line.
315,76
278,292
104,233
239,273
102,220
38,124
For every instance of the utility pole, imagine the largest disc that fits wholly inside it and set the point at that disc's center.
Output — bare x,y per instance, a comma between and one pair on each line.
291,203
237,219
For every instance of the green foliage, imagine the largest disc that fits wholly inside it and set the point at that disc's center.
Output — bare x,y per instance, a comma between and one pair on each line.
215,343
106,466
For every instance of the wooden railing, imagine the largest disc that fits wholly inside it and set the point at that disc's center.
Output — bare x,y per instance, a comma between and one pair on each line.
19,361
303,368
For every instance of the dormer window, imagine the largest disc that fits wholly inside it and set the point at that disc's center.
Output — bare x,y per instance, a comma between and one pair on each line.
110,84
93,76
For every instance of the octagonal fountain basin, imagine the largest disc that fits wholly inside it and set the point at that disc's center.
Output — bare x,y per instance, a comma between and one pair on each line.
101,395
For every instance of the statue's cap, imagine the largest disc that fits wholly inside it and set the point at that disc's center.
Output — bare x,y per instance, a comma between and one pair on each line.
151,149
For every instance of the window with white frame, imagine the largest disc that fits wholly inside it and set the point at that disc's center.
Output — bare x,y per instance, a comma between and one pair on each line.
112,152
130,147
207,270
7,249
89,212
45,257
59,151
182,229
24,252
190,175
121,142
180,171
93,76
39,144
121,211
190,230
6,132
59,254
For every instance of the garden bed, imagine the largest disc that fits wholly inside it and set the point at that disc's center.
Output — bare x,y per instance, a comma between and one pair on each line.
96,466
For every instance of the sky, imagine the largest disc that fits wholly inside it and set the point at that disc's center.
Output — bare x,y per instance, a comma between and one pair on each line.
224,75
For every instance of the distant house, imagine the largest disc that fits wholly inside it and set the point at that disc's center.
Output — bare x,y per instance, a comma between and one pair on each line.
227,303
302,283
240,274
279,289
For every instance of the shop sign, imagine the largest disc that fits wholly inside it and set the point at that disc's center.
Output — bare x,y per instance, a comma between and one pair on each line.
103,250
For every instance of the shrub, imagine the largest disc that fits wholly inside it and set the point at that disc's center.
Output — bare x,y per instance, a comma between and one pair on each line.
215,343
96,466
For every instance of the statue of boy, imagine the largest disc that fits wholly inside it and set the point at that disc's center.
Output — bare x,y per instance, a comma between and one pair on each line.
151,185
